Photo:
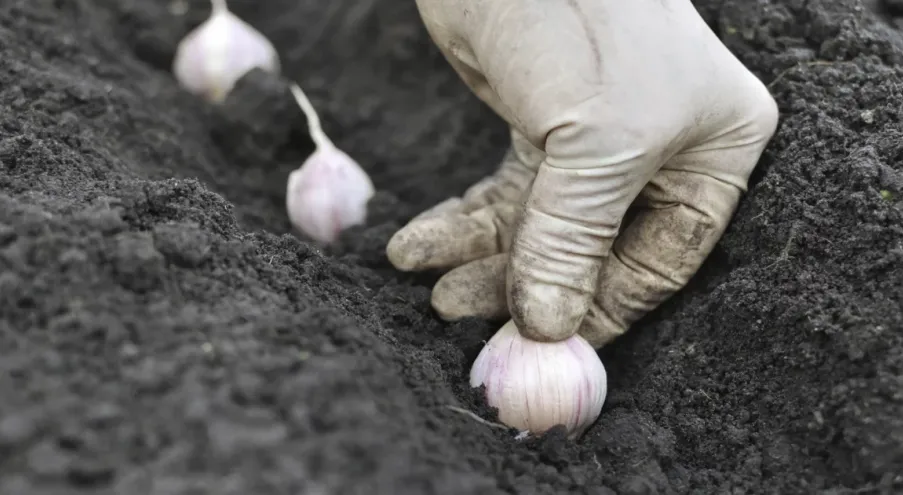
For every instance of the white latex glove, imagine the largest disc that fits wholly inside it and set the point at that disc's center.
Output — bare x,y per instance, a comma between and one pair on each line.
610,102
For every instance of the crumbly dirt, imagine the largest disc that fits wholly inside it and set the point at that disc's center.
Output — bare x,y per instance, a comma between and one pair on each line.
163,332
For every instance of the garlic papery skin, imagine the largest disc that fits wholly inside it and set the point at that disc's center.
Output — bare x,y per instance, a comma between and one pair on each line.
538,385
218,52
328,194
330,191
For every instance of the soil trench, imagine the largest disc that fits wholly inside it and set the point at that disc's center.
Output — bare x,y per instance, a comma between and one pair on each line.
163,332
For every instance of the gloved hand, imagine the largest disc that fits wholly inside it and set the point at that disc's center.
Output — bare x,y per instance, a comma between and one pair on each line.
610,103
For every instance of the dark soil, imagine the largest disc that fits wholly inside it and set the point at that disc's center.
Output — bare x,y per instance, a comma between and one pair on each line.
162,331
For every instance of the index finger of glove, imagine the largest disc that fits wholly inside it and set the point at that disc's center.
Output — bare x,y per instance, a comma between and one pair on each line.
452,239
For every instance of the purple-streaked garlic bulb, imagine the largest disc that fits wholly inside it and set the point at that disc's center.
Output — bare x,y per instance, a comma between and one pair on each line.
330,191
538,385
217,53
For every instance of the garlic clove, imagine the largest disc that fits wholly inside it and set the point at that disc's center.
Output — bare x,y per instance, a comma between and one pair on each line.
218,52
538,385
330,191
328,194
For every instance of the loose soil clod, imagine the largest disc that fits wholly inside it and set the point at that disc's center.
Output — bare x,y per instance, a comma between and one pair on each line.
161,331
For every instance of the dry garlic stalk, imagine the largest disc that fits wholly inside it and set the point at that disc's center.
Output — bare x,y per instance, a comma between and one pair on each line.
330,191
217,53
538,385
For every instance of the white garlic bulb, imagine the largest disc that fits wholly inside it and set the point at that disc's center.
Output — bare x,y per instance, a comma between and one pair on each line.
538,385
217,53
330,191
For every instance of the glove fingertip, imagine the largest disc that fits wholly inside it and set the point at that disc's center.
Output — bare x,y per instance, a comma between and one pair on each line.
546,312
402,251
475,289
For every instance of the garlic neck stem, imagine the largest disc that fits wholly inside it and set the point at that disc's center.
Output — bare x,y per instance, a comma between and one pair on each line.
313,120
219,6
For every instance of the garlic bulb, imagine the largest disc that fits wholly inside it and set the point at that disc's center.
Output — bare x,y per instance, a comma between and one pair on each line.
330,191
217,53
538,385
